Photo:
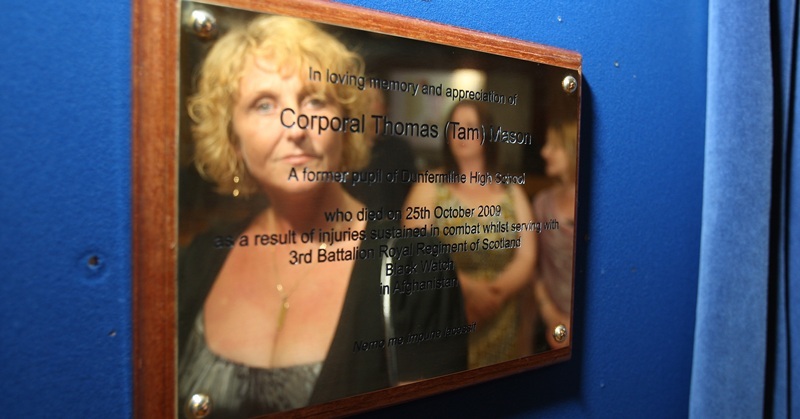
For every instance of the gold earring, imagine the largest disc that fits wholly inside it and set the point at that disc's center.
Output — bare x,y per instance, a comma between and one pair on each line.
236,185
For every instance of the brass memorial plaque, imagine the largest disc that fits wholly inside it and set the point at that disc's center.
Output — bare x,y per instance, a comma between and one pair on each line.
366,203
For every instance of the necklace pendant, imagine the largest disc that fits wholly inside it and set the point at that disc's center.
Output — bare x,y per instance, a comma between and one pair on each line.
282,313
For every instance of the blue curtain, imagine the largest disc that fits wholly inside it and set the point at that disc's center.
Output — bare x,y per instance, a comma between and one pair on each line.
748,304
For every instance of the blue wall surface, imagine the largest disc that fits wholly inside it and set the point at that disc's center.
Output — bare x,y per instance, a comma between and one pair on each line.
65,111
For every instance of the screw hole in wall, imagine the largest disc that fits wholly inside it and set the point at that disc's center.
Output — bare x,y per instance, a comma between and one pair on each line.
93,265
93,262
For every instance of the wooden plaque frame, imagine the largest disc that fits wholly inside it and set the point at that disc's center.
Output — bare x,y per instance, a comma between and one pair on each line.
154,151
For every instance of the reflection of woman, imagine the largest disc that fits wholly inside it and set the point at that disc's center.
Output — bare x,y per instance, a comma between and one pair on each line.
489,278
266,327
553,285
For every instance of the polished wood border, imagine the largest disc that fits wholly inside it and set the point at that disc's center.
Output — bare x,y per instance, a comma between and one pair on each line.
403,26
154,166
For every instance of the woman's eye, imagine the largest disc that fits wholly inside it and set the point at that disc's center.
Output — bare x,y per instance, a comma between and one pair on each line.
314,103
265,106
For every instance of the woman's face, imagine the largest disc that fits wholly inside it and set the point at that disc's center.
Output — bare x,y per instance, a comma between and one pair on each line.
268,148
555,156
467,117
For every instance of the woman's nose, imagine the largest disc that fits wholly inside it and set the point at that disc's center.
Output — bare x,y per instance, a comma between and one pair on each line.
295,133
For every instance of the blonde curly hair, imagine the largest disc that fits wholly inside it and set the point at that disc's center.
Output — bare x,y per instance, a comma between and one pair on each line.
293,45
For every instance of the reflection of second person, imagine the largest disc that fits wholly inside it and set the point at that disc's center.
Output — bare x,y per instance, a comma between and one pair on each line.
490,279
553,285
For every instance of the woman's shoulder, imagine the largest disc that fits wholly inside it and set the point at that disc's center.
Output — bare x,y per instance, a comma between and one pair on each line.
514,192
544,195
218,237
198,266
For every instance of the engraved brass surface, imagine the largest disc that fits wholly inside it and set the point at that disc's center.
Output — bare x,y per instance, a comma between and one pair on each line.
524,202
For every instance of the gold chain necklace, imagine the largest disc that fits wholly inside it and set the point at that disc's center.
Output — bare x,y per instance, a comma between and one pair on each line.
284,306
284,296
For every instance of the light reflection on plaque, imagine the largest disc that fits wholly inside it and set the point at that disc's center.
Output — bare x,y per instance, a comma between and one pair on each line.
359,210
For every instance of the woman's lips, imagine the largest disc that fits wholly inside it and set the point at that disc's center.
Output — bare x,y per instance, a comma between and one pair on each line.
298,159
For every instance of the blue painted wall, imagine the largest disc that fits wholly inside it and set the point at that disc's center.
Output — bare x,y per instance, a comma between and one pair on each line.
65,324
